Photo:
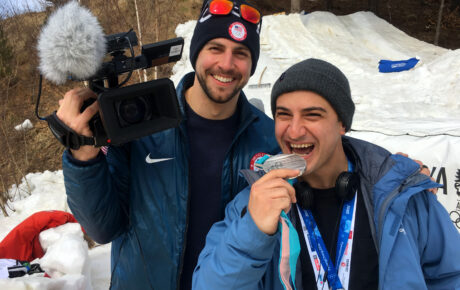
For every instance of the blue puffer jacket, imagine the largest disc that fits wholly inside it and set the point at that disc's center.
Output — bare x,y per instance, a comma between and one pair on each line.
417,243
142,207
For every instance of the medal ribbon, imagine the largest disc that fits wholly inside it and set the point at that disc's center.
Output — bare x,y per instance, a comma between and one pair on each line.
337,275
289,252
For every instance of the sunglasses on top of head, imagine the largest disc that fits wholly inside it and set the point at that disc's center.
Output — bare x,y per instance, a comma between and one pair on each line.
225,7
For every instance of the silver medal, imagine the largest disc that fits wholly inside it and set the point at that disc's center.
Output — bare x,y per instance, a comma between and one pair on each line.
289,161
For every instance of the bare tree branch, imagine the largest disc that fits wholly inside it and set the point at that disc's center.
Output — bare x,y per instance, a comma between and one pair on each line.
438,24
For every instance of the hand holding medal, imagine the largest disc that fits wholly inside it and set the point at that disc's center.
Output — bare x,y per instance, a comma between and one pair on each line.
273,193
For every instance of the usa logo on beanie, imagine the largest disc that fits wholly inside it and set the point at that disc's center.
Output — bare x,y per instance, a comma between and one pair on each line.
237,31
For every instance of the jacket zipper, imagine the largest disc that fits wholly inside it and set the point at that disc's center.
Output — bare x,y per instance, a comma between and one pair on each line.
184,244
231,185
385,205
240,131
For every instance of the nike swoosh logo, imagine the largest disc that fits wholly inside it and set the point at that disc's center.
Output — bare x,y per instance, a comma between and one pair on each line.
150,160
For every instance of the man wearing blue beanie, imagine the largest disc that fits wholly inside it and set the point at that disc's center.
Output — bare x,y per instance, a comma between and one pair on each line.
157,197
233,26
357,217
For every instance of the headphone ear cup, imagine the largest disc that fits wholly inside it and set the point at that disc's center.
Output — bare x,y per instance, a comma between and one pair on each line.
346,185
304,195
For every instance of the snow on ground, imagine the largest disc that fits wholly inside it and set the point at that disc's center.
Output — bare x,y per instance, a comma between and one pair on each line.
67,259
420,107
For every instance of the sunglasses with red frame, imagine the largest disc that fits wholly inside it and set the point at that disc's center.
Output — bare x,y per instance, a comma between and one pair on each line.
225,7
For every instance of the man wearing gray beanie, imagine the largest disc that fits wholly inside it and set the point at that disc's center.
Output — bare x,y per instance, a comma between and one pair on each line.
323,78
356,217
157,197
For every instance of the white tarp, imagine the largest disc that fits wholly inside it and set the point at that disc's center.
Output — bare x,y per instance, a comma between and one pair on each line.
440,153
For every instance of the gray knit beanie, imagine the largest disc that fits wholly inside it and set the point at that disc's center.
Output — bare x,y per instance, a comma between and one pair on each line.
320,77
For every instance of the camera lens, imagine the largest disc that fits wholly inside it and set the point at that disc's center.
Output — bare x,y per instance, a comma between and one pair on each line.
133,111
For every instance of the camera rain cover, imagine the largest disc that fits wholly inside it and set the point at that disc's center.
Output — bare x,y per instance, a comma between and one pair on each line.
139,110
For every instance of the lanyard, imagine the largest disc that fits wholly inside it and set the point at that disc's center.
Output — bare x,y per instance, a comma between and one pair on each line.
289,252
338,275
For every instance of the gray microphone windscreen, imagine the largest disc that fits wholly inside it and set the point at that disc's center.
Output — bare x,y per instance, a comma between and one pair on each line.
72,43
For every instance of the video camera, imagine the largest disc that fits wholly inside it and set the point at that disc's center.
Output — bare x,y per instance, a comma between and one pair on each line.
130,112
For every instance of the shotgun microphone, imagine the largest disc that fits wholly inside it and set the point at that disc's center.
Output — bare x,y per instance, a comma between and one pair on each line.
72,44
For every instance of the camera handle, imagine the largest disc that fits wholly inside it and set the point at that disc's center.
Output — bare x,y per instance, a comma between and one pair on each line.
68,137
96,126
65,135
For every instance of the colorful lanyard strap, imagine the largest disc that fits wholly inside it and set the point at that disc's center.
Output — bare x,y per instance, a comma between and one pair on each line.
338,275
289,252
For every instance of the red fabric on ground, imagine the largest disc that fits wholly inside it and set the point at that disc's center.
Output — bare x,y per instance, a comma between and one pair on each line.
22,242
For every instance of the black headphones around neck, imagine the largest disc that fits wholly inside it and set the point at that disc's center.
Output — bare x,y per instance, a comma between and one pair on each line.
345,188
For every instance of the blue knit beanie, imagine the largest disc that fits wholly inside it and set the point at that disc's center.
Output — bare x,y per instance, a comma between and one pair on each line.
230,26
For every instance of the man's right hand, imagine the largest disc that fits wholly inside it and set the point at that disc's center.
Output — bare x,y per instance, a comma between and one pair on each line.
269,196
69,113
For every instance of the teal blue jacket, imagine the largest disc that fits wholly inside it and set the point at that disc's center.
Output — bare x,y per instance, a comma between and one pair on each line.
142,208
418,245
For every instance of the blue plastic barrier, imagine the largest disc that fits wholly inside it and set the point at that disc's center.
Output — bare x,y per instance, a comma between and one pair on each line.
387,66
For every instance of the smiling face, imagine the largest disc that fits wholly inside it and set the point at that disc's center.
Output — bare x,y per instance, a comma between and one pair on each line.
307,125
223,68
